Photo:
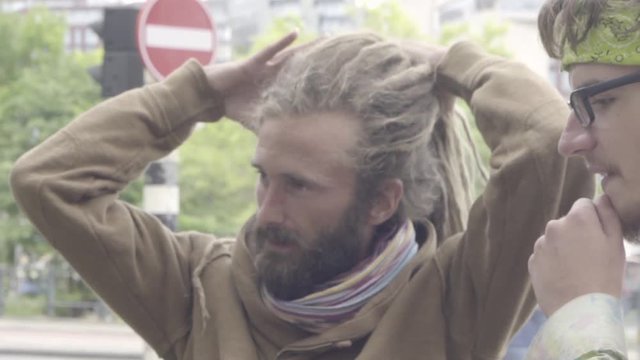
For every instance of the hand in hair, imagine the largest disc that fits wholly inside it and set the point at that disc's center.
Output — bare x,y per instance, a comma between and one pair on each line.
424,53
241,82
431,54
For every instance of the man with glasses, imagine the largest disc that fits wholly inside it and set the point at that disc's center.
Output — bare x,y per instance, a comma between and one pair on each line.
578,265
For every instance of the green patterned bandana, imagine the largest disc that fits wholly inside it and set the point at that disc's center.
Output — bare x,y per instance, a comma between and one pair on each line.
614,40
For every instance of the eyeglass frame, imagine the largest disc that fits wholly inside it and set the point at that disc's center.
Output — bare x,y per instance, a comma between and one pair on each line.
584,93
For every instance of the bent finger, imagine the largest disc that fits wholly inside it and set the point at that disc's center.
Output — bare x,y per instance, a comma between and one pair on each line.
582,213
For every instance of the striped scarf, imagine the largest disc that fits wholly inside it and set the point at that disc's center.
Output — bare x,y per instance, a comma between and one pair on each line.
341,298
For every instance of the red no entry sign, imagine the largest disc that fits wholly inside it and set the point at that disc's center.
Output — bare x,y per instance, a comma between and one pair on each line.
172,31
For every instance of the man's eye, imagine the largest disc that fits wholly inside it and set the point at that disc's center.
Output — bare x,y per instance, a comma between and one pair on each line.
262,177
602,102
298,184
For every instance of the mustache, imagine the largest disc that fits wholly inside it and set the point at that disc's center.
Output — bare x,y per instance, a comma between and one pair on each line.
277,233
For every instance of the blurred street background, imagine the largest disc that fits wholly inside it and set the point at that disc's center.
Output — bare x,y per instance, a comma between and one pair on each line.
54,66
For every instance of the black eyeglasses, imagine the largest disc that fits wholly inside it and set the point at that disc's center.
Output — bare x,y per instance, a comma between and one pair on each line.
579,98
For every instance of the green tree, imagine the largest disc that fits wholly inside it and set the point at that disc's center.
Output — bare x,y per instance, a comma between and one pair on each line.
389,18
41,89
216,179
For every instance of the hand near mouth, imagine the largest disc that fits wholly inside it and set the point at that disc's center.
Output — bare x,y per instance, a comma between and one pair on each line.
580,253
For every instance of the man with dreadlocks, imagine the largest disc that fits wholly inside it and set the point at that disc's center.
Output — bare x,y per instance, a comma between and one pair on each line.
364,243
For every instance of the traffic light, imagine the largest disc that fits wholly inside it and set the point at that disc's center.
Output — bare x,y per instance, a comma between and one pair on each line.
121,68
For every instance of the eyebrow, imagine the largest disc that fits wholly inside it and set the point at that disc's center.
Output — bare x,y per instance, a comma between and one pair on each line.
316,180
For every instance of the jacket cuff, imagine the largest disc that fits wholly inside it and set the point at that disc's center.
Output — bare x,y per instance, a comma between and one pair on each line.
191,95
586,327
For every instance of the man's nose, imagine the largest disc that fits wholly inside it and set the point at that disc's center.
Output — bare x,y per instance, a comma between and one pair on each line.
271,210
575,139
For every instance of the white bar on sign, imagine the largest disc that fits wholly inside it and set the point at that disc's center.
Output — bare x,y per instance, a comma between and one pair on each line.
161,199
179,38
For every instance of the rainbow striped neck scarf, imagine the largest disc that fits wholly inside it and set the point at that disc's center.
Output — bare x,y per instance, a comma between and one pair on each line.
344,296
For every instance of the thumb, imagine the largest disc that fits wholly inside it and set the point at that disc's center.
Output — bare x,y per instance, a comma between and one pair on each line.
608,217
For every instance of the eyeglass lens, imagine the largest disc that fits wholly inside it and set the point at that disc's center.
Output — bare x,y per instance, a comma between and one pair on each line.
580,109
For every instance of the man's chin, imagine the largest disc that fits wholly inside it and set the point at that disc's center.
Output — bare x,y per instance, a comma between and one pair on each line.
282,277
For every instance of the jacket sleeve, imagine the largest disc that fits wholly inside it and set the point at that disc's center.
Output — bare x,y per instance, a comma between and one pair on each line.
68,187
520,117
588,327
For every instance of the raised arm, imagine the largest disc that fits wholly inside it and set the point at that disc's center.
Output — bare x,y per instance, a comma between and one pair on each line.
520,117
68,186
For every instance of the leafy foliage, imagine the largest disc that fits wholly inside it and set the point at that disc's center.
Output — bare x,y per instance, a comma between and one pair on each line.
388,18
41,89
216,180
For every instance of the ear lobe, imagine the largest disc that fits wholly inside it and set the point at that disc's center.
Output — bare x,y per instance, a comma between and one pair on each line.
387,201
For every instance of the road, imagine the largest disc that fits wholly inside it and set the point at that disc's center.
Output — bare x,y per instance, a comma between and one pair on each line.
48,339
78,340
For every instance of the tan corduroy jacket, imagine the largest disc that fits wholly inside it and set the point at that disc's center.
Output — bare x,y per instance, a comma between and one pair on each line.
194,297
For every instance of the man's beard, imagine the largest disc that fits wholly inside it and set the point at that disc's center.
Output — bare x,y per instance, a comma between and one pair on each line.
289,276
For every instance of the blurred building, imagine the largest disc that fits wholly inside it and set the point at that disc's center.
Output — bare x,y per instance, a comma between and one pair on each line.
80,14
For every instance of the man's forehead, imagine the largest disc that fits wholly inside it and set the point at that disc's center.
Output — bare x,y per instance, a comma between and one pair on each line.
330,135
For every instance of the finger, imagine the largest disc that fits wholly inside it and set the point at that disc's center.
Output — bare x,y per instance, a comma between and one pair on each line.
608,217
539,244
421,75
284,55
554,229
581,203
531,264
270,51
583,210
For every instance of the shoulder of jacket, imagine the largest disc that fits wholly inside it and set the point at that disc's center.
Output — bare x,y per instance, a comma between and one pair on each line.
207,248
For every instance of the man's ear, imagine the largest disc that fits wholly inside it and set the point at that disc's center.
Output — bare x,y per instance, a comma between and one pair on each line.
387,201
